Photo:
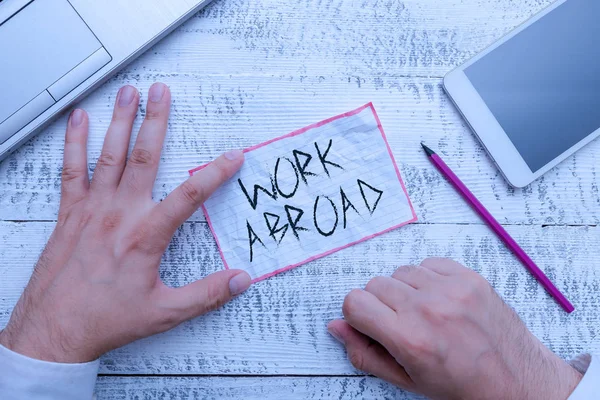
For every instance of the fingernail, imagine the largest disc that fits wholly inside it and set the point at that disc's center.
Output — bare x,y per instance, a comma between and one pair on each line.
76,117
234,154
126,95
156,92
336,335
239,283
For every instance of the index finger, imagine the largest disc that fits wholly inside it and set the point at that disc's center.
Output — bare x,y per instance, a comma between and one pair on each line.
370,316
191,194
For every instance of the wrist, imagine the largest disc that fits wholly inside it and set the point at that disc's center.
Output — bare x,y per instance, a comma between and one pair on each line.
568,379
556,379
39,346
19,343
531,372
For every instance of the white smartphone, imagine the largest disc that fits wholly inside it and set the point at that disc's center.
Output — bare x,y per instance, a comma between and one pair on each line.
533,97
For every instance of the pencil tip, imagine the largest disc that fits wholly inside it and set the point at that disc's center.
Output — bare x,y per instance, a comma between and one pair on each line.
427,150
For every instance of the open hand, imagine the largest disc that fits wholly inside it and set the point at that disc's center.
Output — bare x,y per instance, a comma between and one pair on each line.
96,286
441,330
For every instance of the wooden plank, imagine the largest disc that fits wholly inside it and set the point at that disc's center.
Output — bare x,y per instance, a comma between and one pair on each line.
213,113
347,38
243,72
278,326
247,388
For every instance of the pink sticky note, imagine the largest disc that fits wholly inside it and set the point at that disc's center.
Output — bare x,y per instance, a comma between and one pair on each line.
308,194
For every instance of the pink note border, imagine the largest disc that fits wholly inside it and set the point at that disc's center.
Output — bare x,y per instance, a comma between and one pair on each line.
299,132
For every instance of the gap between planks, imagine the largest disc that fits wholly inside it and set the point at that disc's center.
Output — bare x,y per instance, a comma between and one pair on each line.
257,376
17,221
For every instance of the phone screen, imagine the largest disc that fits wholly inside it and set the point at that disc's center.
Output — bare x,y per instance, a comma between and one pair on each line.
543,85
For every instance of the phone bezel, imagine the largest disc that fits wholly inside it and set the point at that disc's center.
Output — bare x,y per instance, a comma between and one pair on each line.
485,126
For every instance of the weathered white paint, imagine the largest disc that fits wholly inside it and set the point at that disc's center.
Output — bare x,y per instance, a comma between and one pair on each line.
245,71
278,326
213,114
248,388
354,38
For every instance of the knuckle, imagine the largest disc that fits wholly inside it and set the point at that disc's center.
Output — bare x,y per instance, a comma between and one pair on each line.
110,222
141,157
152,115
71,172
147,240
420,348
377,282
435,313
466,297
473,285
191,194
475,280
215,298
357,359
403,270
108,159
448,263
434,261
351,302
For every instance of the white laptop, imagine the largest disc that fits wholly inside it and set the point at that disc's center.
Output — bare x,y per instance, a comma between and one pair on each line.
54,52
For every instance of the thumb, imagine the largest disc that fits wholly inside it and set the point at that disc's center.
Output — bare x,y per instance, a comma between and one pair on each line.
369,356
210,293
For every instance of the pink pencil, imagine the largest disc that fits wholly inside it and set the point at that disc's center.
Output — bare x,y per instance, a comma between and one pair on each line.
499,230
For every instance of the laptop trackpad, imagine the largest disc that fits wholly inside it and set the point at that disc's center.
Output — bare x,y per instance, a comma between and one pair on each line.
40,48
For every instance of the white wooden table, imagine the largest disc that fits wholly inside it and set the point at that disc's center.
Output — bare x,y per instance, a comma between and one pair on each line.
243,71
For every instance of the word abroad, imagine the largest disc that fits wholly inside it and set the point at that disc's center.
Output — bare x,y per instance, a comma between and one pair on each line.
328,213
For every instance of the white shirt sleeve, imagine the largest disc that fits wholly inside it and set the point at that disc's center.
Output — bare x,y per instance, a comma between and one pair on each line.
22,377
589,387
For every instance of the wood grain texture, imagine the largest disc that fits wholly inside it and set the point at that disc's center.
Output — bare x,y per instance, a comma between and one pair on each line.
247,388
213,114
242,72
278,326
349,38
